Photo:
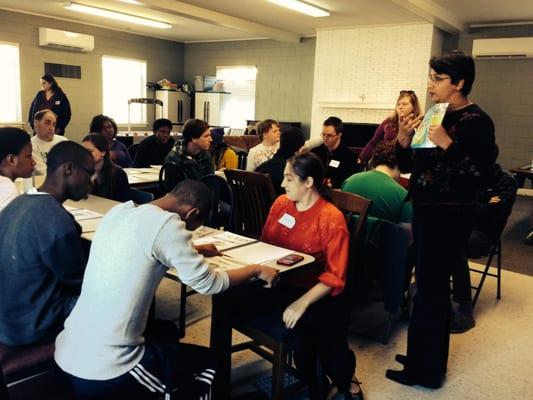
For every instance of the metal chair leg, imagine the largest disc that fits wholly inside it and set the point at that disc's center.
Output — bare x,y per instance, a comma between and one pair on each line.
183,303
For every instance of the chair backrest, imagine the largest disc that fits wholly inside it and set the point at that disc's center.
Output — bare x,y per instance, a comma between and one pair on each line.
253,194
133,150
492,215
140,196
242,157
222,201
355,209
169,176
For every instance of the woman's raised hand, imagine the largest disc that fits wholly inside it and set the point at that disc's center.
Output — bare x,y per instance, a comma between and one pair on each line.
406,126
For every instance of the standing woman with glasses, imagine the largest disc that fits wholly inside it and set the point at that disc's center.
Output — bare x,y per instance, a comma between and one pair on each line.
406,104
52,98
443,188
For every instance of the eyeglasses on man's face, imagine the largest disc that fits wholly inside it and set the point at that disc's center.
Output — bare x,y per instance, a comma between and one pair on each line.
437,78
328,136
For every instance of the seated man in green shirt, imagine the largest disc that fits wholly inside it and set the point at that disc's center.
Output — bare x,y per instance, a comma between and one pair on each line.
381,186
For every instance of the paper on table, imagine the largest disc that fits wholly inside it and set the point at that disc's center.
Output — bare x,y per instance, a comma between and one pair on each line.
82,214
70,208
259,253
202,231
89,225
225,240
139,170
224,262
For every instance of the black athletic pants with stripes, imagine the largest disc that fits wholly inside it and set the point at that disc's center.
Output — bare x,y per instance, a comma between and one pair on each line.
166,366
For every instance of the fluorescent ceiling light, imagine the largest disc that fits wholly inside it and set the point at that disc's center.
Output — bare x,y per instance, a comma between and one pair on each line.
101,12
302,7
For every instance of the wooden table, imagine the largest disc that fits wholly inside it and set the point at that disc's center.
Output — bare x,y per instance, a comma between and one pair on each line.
523,173
93,203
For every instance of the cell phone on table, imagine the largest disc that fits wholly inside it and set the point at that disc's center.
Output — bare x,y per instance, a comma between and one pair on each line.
289,260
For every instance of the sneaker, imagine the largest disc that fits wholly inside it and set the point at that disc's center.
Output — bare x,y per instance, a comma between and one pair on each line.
461,323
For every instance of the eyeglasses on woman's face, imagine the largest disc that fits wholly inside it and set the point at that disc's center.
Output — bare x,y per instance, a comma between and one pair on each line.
402,92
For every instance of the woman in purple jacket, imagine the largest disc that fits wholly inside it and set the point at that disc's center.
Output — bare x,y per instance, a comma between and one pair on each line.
406,104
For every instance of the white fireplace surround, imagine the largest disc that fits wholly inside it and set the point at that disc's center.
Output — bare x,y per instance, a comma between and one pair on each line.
359,72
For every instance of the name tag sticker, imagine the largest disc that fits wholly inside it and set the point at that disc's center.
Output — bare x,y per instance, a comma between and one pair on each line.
287,220
57,102
334,163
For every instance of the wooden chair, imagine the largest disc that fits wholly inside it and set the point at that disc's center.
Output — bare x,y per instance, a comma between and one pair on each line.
355,210
269,332
253,194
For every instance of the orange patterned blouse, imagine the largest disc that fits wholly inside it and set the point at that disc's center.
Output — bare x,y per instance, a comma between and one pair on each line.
319,231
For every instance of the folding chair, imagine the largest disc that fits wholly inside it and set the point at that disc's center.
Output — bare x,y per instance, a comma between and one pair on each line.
485,240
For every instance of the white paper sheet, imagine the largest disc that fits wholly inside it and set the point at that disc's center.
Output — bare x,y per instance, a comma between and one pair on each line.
258,253
82,214
224,241
89,225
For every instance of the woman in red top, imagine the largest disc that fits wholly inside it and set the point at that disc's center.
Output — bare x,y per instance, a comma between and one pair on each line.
305,220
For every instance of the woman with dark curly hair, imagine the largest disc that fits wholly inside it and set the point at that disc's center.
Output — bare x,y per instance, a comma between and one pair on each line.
117,150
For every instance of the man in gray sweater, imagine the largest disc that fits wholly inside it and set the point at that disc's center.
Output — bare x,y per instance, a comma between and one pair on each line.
103,348
41,257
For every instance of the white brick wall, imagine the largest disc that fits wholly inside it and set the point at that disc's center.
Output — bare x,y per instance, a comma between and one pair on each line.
375,62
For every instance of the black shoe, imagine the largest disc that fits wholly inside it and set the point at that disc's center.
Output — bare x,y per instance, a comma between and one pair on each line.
399,377
461,323
402,378
334,394
402,359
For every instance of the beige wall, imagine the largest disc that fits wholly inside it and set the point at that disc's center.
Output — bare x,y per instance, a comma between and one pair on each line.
284,73
164,60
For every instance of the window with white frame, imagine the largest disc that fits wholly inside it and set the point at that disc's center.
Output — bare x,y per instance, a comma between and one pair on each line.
239,80
10,110
123,79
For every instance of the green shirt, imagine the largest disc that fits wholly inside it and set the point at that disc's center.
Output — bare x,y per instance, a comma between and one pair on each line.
386,194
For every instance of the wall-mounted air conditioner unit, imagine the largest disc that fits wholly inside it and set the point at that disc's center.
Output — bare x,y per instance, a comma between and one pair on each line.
66,40
519,47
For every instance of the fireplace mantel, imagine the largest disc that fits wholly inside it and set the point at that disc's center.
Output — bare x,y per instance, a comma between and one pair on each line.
353,105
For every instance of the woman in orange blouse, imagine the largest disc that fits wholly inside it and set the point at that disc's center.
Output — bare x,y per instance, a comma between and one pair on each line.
305,220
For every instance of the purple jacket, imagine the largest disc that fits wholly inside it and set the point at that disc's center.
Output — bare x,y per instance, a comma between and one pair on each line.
383,132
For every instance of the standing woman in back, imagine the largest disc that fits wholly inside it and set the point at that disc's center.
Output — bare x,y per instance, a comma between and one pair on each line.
407,103
53,98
